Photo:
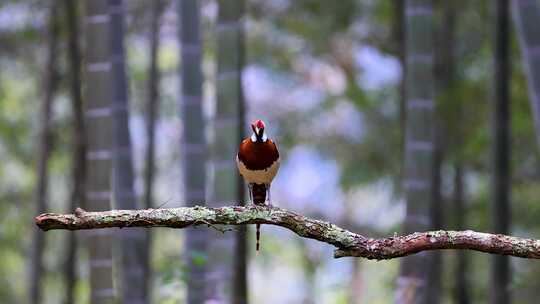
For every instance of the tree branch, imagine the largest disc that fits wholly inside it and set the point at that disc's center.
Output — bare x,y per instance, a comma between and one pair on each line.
346,242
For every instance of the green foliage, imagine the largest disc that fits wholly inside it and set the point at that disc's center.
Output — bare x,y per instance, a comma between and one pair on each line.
199,258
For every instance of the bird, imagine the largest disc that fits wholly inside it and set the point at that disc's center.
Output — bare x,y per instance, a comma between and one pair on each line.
258,163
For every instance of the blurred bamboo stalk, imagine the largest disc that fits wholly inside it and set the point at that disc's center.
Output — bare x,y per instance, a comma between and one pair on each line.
152,112
132,243
231,58
461,289
78,162
49,84
230,283
445,67
526,15
501,180
419,145
193,146
98,113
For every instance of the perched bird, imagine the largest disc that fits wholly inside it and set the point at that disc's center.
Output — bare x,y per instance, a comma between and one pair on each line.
258,163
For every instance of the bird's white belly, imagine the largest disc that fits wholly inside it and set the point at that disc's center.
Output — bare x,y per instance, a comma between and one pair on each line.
258,176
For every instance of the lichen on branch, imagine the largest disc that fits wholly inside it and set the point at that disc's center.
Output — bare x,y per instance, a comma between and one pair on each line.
346,242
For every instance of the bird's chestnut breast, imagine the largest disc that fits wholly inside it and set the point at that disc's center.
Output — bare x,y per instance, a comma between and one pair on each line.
258,155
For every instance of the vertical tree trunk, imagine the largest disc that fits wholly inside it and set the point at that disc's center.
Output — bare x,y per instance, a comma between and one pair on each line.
461,289
419,146
232,14
227,124
309,267
399,36
444,77
435,264
152,109
500,276
193,146
78,164
132,281
447,84
98,111
49,83
357,283
526,16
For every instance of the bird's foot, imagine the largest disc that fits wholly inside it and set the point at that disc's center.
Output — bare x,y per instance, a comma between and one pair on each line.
252,201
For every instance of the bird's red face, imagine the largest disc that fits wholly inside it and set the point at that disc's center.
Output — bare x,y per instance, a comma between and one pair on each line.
258,127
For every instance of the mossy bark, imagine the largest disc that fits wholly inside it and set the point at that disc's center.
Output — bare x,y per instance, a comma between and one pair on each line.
346,242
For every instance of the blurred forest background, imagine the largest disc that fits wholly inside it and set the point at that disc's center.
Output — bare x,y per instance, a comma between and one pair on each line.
390,116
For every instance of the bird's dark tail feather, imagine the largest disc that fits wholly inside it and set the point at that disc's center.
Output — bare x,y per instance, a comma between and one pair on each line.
258,234
259,194
259,197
